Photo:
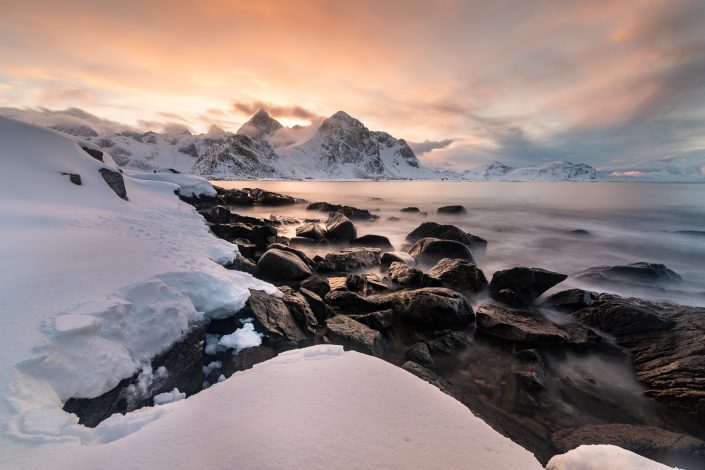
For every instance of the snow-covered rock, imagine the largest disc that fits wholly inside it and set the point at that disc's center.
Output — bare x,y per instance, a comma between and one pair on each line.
260,125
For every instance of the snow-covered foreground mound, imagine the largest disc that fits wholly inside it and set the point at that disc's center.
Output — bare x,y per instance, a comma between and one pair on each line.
315,408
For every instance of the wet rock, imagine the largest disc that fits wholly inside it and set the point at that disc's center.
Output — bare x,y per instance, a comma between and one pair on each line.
244,264
529,369
380,320
391,256
269,198
579,233
570,300
459,275
350,302
356,283
445,232
393,219
528,328
217,215
339,228
448,344
354,335
283,220
406,276
635,273
280,265
374,283
658,444
419,353
245,247
302,241
373,241
452,210
429,307
74,178
520,287
237,197
316,284
425,374
116,182
299,307
618,316
245,359
429,251
410,209
316,303
279,246
312,231
95,153
272,317
349,259
350,212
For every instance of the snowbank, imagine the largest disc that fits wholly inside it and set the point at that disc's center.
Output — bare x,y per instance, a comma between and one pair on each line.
189,185
314,408
601,457
93,286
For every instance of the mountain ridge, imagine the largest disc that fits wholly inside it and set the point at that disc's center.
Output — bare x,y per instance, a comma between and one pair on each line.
340,148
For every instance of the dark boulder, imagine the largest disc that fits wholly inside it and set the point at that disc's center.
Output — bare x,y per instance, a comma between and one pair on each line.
312,231
280,246
95,153
300,309
269,198
217,215
428,251
529,368
429,307
520,287
410,209
244,264
339,228
356,336
316,284
452,210
279,265
618,316
391,256
459,275
448,344
635,273
373,241
237,197
426,375
74,178
418,352
237,361
350,212
570,300
529,328
349,259
406,276
380,320
445,232
318,306
116,182
356,283
670,448
245,247
272,317
347,302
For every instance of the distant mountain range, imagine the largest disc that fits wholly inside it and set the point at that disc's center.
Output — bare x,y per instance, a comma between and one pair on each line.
341,147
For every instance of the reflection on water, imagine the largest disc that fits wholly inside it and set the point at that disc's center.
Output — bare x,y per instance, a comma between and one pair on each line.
530,224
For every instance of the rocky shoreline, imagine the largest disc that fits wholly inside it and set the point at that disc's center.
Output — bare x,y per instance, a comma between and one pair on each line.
545,372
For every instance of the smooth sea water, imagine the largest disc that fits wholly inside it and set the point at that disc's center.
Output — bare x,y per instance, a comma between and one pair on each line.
530,224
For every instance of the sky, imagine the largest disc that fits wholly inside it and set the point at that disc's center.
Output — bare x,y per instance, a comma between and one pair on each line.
617,84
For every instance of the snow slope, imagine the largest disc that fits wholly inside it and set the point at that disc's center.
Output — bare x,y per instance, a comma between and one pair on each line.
601,457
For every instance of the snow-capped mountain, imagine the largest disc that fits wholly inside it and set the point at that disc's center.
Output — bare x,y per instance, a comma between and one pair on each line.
340,147
344,148
553,171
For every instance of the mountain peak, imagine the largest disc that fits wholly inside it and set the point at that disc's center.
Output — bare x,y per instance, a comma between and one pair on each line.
341,121
214,131
260,125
